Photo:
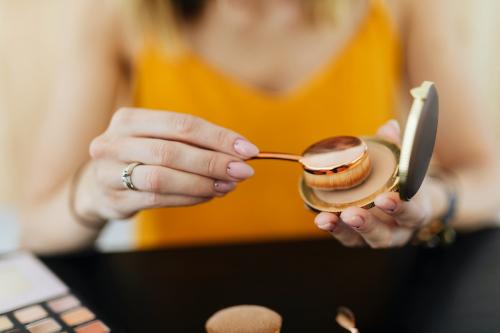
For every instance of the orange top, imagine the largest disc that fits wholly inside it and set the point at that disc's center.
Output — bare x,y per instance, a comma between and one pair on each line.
353,95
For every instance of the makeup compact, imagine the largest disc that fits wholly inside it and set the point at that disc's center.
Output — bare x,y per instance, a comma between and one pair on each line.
34,300
346,171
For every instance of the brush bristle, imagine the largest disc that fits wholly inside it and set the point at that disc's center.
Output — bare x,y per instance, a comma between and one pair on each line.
340,181
244,319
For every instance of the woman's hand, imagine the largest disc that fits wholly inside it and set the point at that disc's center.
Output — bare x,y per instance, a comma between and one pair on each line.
390,223
186,161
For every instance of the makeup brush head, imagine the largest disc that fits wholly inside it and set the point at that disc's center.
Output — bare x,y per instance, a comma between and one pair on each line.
346,176
244,319
335,163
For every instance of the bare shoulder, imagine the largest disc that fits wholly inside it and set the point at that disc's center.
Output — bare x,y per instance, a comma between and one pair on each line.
91,24
91,14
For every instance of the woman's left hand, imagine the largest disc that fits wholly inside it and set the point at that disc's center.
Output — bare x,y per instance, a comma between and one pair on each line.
391,223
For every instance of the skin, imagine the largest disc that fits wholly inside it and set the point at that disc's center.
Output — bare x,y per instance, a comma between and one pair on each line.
201,161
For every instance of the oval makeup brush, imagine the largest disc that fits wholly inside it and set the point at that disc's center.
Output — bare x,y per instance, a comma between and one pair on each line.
345,318
244,319
336,163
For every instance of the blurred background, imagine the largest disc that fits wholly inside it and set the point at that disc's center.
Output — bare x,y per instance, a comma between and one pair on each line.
29,29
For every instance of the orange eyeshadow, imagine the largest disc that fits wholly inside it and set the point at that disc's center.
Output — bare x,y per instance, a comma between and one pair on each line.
77,316
93,327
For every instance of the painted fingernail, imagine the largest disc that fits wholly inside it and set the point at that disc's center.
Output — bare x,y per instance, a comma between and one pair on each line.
245,148
356,221
239,170
394,123
387,205
325,223
327,226
223,186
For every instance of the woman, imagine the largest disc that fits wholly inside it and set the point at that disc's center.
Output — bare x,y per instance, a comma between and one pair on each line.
232,77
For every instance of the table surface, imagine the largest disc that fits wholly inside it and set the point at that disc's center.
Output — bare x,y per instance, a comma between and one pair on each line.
411,289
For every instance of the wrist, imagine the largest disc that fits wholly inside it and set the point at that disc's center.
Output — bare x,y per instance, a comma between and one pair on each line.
443,200
82,199
438,197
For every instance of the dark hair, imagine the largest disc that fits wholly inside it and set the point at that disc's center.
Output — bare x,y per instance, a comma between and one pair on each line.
161,18
188,9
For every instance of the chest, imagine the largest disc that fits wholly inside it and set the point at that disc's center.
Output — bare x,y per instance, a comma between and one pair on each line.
273,59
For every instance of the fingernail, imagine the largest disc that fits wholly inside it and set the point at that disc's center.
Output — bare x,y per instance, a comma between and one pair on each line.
356,221
330,227
223,186
239,170
325,223
245,148
387,204
394,123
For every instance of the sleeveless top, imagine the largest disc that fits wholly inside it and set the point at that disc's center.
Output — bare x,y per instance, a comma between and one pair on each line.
353,94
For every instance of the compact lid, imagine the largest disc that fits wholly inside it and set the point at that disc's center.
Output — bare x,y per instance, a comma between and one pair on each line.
418,140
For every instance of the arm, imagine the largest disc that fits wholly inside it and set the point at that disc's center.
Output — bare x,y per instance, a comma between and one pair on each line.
82,101
465,144
185,160
436,51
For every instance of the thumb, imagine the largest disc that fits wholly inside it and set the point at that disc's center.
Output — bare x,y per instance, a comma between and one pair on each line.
390,131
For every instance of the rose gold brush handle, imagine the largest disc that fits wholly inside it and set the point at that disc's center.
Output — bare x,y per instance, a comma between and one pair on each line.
277,156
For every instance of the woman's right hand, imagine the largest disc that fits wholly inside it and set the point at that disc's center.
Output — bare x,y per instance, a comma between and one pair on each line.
186,161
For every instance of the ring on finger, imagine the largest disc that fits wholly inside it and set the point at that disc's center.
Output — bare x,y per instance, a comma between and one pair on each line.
127,175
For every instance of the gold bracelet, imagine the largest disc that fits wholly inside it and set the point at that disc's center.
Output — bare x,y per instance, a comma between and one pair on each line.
75,181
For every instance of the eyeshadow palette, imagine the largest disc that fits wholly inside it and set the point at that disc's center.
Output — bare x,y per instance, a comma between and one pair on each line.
34,300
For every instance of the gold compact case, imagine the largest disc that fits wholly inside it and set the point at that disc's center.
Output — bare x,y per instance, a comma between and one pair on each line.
346,171
393,168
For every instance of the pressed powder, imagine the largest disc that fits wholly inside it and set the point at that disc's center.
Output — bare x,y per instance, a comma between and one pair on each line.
384,164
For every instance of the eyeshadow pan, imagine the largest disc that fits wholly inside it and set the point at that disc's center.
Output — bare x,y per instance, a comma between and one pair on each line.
48,325
5,323
93,327
30,314
64,303
77,316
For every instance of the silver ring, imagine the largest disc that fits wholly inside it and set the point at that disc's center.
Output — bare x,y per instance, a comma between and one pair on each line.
127,176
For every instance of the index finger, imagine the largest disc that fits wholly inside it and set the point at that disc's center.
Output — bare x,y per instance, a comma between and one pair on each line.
184,128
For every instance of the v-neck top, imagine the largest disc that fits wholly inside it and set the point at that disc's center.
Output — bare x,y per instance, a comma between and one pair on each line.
353,94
